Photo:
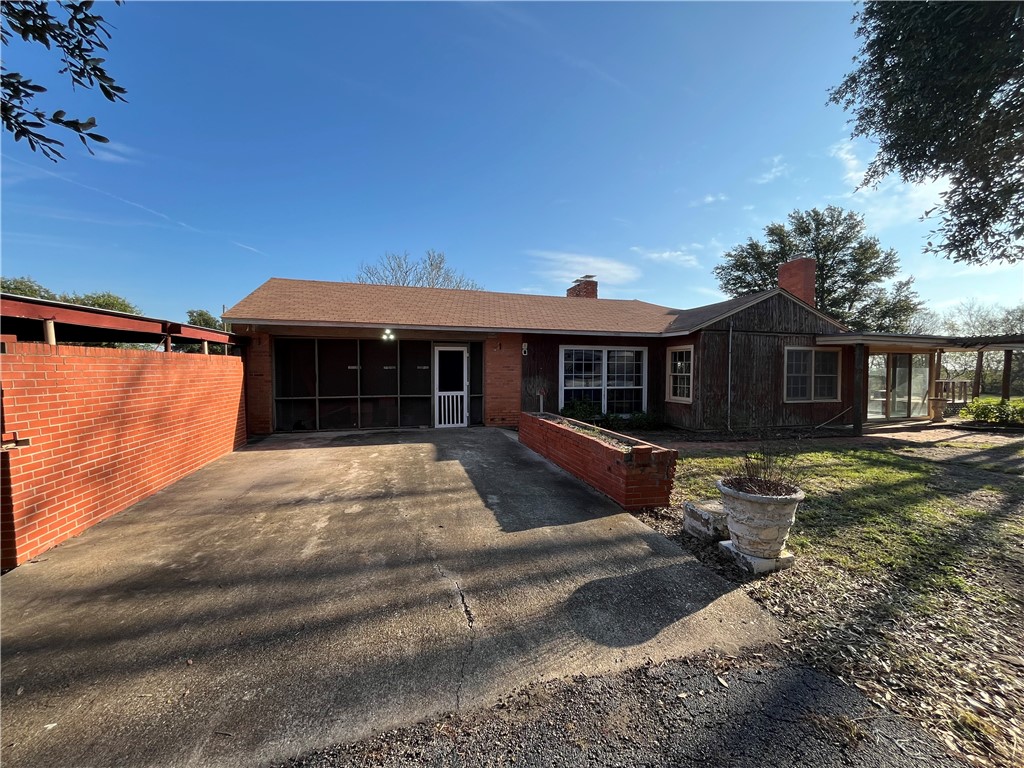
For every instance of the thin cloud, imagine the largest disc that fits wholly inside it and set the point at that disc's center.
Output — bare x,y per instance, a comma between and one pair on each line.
63,214
710,199
890,203
563,267
116,152
248,247
713,293
97,190
679,257
777,170
548,40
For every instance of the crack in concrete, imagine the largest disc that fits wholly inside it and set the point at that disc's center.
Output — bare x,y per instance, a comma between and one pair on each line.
470,622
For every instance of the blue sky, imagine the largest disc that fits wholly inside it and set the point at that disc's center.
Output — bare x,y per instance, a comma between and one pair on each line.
530,142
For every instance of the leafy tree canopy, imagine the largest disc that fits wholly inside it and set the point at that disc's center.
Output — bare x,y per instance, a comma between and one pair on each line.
205,319
940,87
76,36
432,271
852,269
26,286
102,300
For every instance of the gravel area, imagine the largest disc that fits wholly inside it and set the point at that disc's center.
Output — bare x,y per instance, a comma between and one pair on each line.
704,711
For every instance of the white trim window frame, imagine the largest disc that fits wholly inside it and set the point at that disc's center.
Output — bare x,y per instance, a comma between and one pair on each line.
812,375
597,367
685,377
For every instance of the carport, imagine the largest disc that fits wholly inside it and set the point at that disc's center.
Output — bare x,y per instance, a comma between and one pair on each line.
314,588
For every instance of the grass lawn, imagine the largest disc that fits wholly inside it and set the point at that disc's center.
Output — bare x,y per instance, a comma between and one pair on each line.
909,583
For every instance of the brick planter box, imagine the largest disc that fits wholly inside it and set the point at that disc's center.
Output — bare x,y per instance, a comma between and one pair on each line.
634,477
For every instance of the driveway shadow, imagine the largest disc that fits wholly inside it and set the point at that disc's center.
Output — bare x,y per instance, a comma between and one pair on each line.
652,599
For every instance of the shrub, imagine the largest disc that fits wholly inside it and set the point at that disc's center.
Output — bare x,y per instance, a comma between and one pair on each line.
581,410
995,411
641,420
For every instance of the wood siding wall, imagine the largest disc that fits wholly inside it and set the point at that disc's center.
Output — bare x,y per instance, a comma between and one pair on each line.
779,314
760,335
758,383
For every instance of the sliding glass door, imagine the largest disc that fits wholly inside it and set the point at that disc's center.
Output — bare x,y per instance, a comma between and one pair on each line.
897,385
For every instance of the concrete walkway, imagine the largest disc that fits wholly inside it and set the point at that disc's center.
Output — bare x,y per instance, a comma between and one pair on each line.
312,590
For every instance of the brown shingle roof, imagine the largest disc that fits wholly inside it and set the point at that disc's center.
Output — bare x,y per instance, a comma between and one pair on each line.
281,300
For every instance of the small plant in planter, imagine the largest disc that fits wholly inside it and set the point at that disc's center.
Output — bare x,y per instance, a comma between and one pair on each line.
760,501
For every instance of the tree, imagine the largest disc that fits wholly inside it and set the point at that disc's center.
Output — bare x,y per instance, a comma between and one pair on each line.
972,318
432,271
205,319
852,269
78,39
26,286
102,300
940,87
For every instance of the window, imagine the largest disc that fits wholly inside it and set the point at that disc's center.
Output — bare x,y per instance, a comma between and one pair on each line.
613,379
679,387
812,374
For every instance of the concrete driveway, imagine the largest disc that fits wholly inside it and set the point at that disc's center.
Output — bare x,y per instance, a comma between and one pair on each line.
309,590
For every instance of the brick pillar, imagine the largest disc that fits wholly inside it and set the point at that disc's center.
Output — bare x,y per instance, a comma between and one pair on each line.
503,377
259,392
583,289
797,277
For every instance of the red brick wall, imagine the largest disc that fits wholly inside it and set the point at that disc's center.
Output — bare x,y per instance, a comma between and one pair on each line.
503,376
109,427
584,289
797,277
637,480
259,377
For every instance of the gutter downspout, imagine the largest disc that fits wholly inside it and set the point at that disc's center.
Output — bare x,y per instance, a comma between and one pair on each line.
728,394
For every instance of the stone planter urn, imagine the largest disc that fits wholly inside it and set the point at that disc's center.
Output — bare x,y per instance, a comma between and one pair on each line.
759,524
937,406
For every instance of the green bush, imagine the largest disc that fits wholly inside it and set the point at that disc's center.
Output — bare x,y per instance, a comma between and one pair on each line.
581,410
641,420
995,411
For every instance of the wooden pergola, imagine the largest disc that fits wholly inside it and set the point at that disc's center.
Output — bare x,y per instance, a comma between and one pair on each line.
919,344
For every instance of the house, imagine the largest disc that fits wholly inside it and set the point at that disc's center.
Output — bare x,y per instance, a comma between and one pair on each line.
318,355
326,355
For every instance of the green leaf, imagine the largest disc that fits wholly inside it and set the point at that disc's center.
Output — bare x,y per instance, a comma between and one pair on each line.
97,137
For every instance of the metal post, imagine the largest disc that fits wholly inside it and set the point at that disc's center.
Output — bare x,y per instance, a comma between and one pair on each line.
206,347
50,333
858,390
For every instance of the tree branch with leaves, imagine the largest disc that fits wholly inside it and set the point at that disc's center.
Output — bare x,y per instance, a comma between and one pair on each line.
940,87
77,39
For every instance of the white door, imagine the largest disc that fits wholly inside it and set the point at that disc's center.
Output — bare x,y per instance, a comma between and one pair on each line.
451,384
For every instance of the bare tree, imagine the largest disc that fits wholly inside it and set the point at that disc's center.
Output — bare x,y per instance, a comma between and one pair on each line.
432,271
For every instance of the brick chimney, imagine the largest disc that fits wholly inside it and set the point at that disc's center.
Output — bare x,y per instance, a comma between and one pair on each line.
583,288
797,277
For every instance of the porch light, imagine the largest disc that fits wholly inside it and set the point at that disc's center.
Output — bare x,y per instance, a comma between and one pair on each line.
388,335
